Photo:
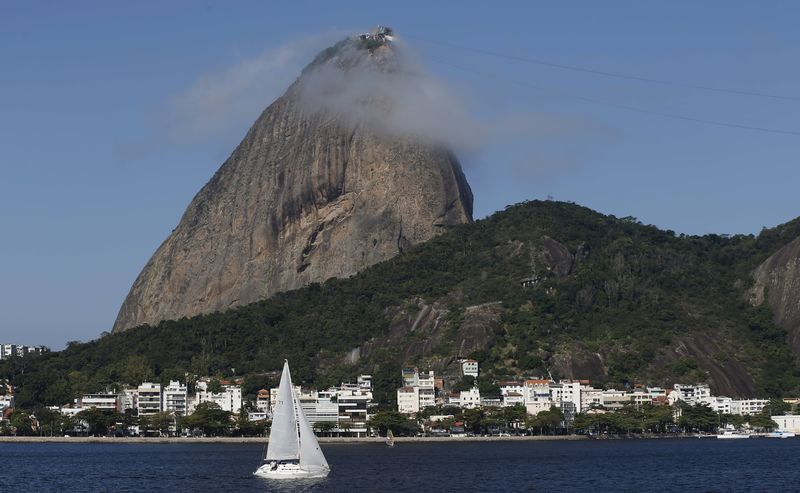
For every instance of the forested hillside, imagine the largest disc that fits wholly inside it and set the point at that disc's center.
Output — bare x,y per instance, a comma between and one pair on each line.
540,287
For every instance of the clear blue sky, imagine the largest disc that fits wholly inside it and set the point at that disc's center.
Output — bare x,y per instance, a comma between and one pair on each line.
114,114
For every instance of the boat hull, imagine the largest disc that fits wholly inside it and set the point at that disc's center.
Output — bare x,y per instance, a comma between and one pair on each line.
289,471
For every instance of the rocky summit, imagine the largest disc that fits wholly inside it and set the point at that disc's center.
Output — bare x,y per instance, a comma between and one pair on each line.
324,184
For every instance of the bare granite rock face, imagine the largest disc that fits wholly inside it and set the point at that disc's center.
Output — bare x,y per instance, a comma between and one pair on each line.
777,280
309,194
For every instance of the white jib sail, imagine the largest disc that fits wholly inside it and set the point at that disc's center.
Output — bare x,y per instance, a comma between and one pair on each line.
283,438
311,457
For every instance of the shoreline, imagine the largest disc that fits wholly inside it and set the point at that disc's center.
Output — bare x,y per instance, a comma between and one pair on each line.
263,440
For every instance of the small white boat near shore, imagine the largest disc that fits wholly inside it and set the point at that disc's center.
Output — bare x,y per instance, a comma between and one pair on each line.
732,435
780,434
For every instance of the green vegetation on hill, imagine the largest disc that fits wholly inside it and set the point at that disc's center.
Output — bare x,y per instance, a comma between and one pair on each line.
637,303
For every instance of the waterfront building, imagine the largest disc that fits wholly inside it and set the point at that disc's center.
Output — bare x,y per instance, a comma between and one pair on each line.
566,391
408,400
537,396
319,408
149,399
129,399
174,398
690,394
720,404
748,407
788,423
354,402
615,400
107,401
229,398
591,398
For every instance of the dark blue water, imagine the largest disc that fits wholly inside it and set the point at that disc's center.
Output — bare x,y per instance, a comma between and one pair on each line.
624,465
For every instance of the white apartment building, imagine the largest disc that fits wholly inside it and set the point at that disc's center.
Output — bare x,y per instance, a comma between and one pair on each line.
748,407
615,399
175,398
408,400
229,399
469,368
511,399
129,399
426,380
102,401
720,404
690,394
149,399
354,402
537,396
566,391
320,408
590,398
470,399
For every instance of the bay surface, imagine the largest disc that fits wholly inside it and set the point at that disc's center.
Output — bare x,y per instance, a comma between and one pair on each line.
611,465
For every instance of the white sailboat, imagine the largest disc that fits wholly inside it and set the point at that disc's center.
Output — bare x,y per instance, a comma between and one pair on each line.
293,451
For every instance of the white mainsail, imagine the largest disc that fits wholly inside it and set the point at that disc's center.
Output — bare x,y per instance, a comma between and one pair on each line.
283,438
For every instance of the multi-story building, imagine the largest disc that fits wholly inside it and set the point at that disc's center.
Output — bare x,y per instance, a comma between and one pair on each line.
590,398
537,396
107,401
262,401
174,398
614,400
470,399
566,391
410,376
408,400
7,350
129,399
690,394
354,402
319,408
748,407
149,399
469,368
228,399
720,404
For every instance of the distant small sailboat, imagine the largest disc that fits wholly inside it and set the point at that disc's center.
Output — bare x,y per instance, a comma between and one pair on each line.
293,451
390,438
